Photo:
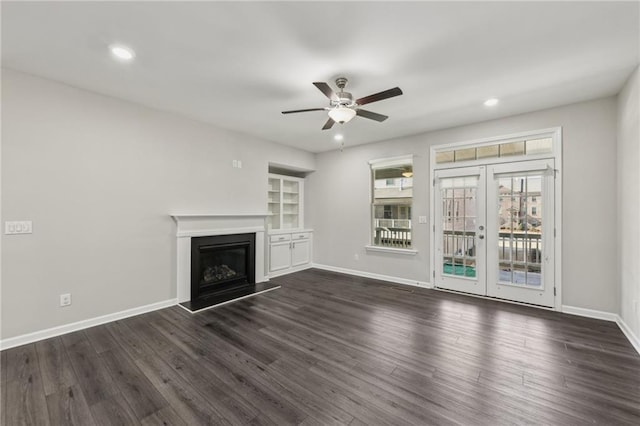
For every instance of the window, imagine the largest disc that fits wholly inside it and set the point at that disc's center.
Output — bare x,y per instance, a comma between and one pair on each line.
392,197
496,150
534,211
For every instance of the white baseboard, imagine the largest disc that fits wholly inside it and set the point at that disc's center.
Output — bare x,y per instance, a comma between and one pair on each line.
380,277
589,313
607,316
628,333
81,325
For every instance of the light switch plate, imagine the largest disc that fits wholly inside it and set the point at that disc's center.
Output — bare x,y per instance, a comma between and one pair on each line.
18,227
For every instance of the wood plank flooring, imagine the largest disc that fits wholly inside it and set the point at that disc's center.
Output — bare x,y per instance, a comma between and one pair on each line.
330,349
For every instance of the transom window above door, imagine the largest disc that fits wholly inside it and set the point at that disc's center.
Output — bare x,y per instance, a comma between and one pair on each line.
502,149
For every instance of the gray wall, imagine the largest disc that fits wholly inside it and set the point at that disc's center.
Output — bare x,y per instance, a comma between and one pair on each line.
99,177
338,202
629,202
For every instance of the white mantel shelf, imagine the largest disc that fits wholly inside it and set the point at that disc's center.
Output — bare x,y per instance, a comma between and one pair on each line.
191,225
202,224
180,216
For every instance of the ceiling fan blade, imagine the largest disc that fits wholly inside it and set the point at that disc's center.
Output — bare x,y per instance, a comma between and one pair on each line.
324,88
303,110
329,124
379,96
371,115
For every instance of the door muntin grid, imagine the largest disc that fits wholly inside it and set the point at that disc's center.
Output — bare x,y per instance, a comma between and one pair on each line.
520,230
459,219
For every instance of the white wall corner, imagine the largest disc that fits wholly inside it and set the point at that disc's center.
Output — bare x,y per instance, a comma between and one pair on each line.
607,316
24,339
589,313
371,275
635,341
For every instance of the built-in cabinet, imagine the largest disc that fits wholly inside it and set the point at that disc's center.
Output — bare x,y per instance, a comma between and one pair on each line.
289,243
285,199
289,251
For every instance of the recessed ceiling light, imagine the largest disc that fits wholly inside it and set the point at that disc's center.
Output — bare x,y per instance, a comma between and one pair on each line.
338,137
122,52
491,102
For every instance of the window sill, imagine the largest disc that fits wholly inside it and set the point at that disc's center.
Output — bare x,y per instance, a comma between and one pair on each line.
381,249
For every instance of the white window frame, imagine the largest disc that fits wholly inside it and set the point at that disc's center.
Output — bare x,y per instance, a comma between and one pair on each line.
382,163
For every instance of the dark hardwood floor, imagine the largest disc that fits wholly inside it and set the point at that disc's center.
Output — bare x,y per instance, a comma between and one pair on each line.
330,349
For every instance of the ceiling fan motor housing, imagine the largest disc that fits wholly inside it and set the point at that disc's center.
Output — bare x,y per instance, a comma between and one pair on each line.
344,99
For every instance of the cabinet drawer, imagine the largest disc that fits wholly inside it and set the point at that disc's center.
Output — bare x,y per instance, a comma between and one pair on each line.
301,236
279,238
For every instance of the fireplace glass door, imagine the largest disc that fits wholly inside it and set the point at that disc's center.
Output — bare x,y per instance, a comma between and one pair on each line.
221,263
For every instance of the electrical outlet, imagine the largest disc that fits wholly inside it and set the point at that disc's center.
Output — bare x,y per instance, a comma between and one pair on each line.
65,299
18,227
422,219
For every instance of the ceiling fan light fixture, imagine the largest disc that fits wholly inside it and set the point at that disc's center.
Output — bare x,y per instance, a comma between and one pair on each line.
342,108
342,114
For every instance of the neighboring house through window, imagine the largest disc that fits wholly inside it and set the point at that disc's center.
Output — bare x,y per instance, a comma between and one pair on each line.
391,201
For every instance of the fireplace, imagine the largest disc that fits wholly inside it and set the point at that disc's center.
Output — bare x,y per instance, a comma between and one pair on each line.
221,264
226,254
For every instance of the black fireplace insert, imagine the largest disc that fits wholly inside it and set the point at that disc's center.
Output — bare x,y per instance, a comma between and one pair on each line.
221,264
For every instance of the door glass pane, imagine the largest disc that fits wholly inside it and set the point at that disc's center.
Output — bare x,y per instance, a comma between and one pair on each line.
520,230
459,217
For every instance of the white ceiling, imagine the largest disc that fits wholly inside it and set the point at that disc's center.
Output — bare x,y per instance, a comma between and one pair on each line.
237,65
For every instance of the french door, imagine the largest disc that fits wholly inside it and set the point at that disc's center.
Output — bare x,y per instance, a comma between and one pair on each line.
459,226
494,231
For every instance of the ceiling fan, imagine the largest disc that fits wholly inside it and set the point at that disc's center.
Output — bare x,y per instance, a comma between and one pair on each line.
342,108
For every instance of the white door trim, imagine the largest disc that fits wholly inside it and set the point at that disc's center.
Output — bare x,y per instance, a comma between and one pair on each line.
556,134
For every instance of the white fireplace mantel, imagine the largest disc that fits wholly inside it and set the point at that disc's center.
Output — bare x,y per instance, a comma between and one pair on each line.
203,225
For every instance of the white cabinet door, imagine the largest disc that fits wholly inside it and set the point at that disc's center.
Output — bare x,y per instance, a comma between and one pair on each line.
279,256
300,252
